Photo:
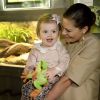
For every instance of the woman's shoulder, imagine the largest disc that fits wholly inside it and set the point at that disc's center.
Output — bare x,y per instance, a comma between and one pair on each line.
92,43
92,36
92,39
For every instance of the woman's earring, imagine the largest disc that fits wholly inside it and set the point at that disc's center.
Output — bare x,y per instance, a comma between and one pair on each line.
83,38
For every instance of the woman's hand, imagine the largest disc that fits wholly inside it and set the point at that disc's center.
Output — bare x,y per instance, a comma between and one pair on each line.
59,88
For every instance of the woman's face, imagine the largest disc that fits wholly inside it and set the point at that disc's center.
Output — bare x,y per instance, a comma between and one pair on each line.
70,32
49,33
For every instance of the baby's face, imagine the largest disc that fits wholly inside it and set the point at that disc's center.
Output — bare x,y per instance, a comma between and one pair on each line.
49,33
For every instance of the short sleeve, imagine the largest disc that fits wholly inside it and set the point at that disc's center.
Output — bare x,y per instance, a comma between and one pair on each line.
85,63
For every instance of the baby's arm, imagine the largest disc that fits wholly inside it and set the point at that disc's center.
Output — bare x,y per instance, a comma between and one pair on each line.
62,63
30,65
64,59
51,72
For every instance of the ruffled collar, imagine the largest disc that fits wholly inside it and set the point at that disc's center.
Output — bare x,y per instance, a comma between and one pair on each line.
45,49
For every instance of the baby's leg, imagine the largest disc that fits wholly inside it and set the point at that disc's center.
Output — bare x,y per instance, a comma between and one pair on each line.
26,90
47,88
35,93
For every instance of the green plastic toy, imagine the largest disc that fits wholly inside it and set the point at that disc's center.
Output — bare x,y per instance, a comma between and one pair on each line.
40,72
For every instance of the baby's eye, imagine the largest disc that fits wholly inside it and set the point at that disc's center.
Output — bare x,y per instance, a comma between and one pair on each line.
45,32
54,31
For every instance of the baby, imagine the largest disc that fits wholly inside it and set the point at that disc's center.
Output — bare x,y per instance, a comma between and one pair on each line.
49,50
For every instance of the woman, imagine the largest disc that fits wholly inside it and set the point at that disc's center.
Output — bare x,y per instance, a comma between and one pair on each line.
81,80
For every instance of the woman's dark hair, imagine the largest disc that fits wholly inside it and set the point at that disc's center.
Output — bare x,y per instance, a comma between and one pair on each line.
81,15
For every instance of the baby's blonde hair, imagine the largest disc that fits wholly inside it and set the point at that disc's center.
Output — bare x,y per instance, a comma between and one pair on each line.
47,18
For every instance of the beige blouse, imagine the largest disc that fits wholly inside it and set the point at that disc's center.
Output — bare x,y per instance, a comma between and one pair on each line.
56,56
83,70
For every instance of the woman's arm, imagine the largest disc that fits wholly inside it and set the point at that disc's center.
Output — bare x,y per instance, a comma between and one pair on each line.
59,88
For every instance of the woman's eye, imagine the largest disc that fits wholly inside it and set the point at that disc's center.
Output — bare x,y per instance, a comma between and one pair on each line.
67,30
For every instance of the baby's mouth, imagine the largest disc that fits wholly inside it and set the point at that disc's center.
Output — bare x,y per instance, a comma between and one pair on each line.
49,40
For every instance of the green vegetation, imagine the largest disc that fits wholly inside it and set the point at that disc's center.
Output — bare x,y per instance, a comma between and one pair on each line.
17,31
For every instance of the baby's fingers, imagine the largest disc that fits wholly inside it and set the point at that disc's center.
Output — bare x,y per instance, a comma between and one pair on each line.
25,80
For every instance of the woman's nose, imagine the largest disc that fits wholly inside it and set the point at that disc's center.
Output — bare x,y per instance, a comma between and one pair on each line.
64,32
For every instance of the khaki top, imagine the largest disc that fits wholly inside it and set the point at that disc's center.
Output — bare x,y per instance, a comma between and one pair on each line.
83,70
56,56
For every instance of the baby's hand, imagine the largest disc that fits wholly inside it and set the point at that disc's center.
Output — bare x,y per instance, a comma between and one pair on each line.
24,76
34,74
51,74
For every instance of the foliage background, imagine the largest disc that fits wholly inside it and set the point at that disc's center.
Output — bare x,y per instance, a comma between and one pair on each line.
18,31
